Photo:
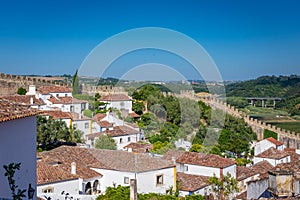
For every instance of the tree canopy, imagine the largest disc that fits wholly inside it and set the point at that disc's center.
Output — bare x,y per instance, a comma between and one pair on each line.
52,133
105,142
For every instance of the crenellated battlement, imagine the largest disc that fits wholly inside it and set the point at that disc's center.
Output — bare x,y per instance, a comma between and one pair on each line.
10,82
290,139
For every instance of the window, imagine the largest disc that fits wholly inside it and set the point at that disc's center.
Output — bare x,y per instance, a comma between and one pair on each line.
74,125
72,108
56,95
186,168
159,179
126,180
48,190
120,140
86,125
128,139
66,95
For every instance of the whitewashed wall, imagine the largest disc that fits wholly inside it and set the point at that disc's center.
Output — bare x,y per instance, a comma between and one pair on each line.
231,169
199,170
120,105
272,161
18,144
125,141
146,181
81,125
70,186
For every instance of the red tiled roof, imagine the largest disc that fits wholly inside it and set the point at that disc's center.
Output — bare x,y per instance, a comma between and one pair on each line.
115,97
104,124
274,141
10,110
292,153
139,147
134,115
117,131
99,117
57,114
103,159
172,154
54,89
208,160
190,182
47,173
66,155
23,99
261,168
65,100
272,153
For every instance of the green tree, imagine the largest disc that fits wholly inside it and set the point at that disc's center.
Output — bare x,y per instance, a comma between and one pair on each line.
268,133
75,83
137,107
105,142
224,186
196,148
50,133
21,91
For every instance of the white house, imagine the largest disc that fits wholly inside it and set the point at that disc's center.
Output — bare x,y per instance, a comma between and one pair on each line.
78,122
67,169
118,101
254,172
273,156
100,169
192,184
205,164
122,135
267,143
17,145
152,174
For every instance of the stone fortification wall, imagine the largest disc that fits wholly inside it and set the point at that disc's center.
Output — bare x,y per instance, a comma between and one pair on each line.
10,83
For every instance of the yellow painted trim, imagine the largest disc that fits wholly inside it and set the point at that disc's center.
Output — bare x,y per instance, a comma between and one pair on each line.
91,126
70,122
175,179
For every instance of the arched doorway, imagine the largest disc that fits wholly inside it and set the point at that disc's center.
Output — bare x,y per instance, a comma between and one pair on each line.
96,187
88,188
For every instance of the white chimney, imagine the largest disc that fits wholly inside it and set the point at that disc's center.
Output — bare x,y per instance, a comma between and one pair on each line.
73,168
129,149
31,100
31,90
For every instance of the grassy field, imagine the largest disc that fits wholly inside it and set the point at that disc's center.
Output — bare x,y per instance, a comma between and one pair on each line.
275,117
291,126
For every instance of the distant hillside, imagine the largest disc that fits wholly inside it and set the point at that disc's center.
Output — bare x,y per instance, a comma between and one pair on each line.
286,87
266,86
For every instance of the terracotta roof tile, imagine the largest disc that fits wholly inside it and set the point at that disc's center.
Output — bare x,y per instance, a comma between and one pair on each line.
189,182
57,114
117,131
103,159
24,99
274,141
65,100
208,160
99,117
49,173
115,97
172,154
10,110
272,153
134,115
139,147
104,124
66,155
54,89
260,168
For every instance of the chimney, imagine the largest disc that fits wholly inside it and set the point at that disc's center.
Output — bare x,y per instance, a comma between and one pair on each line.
73,168
31,90
174,160
31,100
133,189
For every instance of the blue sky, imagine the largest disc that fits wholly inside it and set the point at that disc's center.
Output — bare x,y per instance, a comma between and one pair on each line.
246,39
